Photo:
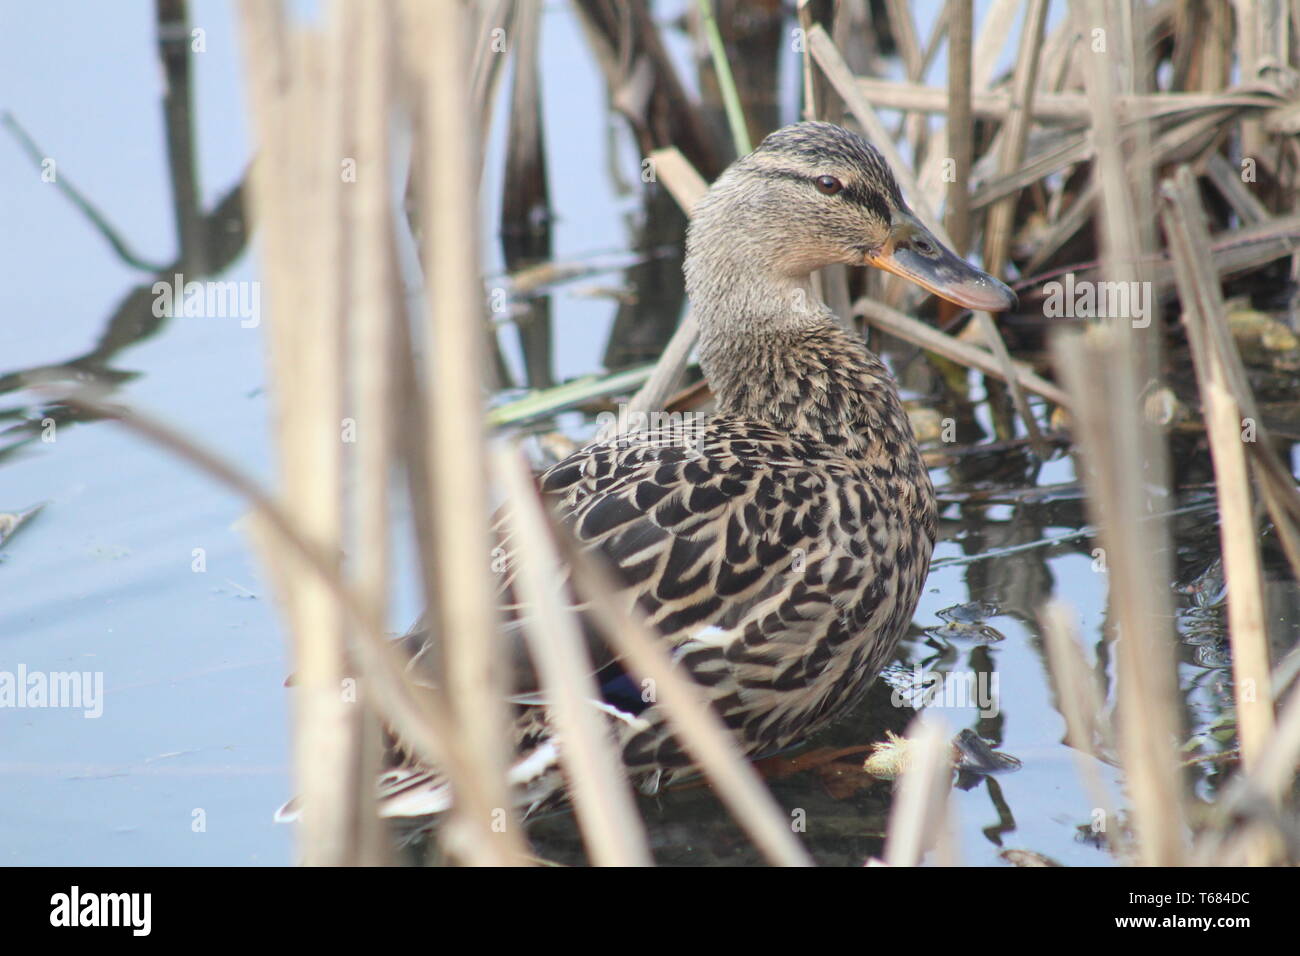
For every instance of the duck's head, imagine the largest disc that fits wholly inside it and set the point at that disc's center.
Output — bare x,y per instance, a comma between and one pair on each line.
815,194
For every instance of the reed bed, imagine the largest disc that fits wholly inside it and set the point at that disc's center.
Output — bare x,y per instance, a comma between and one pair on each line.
426,427
1149,144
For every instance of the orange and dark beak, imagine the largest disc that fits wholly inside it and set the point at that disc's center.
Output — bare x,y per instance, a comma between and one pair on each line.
914,253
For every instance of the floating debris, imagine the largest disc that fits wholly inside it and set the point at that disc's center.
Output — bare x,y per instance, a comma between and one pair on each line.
964,623
623,294
1263,339
971,754
971,612
976,755
927,423
966,632
890,758
1026,858
1163,409
1209,588
1218,654
11,521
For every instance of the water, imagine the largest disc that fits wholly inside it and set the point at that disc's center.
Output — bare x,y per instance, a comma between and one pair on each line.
136,568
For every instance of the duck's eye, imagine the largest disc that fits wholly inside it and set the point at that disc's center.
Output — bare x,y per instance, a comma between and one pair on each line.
828,185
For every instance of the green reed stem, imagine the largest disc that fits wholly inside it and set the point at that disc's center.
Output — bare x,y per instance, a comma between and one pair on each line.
726,82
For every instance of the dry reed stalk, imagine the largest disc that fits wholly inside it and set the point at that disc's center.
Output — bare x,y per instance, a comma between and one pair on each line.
611,827
495,26
938,33
297,104
493,21
698,728
1054,153
667,374
961,124
1203,307
1106,412
1211,342
1262,788
679,177
920,810
1125,228
1227,180
904,31
1059,151
1123,176
643,81
997,228
372,308
418,718
1250,44
525,200
309,116
1105,370
1062,109
932,340
687,187
455,454
992,36
1006,371
374,304
1233,251
1056,58
912,126
1082,706
809,76
1015,131
1194,136
1239,541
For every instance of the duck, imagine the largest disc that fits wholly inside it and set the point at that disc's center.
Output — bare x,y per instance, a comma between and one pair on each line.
779,545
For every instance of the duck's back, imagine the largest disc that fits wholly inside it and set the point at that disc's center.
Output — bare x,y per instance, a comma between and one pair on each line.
781,569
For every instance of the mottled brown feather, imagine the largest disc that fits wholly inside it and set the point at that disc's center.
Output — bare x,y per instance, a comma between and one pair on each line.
778,547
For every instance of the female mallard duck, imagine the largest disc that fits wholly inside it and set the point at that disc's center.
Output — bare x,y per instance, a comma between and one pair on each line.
780,547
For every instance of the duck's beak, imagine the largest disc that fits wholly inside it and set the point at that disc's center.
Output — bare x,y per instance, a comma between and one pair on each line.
914,253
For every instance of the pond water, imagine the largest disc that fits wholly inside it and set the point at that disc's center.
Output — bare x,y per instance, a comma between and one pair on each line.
136,569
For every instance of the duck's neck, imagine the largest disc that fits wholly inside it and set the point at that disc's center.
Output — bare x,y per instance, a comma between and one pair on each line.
819,382
773,352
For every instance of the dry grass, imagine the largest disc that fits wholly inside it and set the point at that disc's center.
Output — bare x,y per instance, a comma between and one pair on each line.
1060,111
1055,170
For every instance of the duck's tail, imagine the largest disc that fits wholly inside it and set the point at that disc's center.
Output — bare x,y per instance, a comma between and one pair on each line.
412,791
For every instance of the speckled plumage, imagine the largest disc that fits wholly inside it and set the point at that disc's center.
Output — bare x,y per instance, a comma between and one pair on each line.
780,545
781,556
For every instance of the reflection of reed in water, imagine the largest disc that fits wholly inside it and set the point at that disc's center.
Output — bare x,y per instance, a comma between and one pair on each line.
208,243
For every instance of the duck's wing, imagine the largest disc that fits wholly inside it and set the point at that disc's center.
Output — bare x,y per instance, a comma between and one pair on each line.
702,526
720,535
695,523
